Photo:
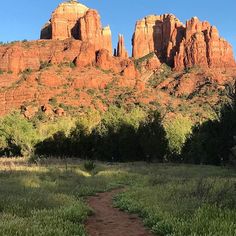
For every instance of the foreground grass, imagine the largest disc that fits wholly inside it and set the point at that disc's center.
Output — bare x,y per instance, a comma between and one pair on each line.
49,199
184,200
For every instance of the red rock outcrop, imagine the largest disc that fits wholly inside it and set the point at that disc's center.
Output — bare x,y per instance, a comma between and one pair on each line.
59,112
130,70
203,46
121,50
20,56
123,66
29,111
159,34
181,46
74,20
92,31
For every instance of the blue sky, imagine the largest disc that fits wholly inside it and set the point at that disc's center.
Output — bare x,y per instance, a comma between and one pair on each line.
23,19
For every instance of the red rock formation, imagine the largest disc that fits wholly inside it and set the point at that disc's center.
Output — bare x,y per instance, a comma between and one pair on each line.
31,55
29,111
86,56
64,66
159,34
91,31
64,21
196,43
59,112
219,51
74,20
105,61
47,109
121,50
124,66
203,46
130,71
153,63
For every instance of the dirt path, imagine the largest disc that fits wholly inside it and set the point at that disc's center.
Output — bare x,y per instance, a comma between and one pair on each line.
109,221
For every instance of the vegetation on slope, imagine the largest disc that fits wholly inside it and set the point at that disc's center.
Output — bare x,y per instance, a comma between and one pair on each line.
122,135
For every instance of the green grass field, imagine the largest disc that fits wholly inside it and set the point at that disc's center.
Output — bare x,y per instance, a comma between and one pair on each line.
49,198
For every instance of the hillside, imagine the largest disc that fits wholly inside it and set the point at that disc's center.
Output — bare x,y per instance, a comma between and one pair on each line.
71,68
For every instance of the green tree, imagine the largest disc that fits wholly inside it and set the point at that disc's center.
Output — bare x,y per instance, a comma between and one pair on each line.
211,142
18,136
152,138
177,131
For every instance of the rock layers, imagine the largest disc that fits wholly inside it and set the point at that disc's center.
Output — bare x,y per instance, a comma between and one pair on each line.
74,20
179,45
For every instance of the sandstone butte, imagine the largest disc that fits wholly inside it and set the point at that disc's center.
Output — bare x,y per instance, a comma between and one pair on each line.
74,35
74,20
179,45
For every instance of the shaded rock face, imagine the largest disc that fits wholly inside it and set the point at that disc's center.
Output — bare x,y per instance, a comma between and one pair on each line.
74,20
181,46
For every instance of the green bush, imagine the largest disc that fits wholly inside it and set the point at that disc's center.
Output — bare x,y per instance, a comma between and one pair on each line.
89,165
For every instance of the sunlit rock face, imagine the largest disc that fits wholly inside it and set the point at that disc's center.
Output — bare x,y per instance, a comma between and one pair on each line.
179,45
75,20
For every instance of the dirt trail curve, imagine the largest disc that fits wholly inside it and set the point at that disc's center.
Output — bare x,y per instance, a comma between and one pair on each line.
109,221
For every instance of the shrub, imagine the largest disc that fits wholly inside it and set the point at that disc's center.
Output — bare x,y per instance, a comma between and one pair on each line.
27,71
44,64
70,64
53,101
89,166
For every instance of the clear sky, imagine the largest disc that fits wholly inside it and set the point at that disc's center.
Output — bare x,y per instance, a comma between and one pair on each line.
23,19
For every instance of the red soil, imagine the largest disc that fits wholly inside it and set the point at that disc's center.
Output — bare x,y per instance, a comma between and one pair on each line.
109,221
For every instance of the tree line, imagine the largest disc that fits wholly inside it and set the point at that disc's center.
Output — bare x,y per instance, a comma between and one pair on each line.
119,135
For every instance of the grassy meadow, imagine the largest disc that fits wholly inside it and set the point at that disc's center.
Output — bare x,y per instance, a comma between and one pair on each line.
49,198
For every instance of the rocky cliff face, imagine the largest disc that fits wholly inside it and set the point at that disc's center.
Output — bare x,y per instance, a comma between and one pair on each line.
181,46
74,20
159,34
203,46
